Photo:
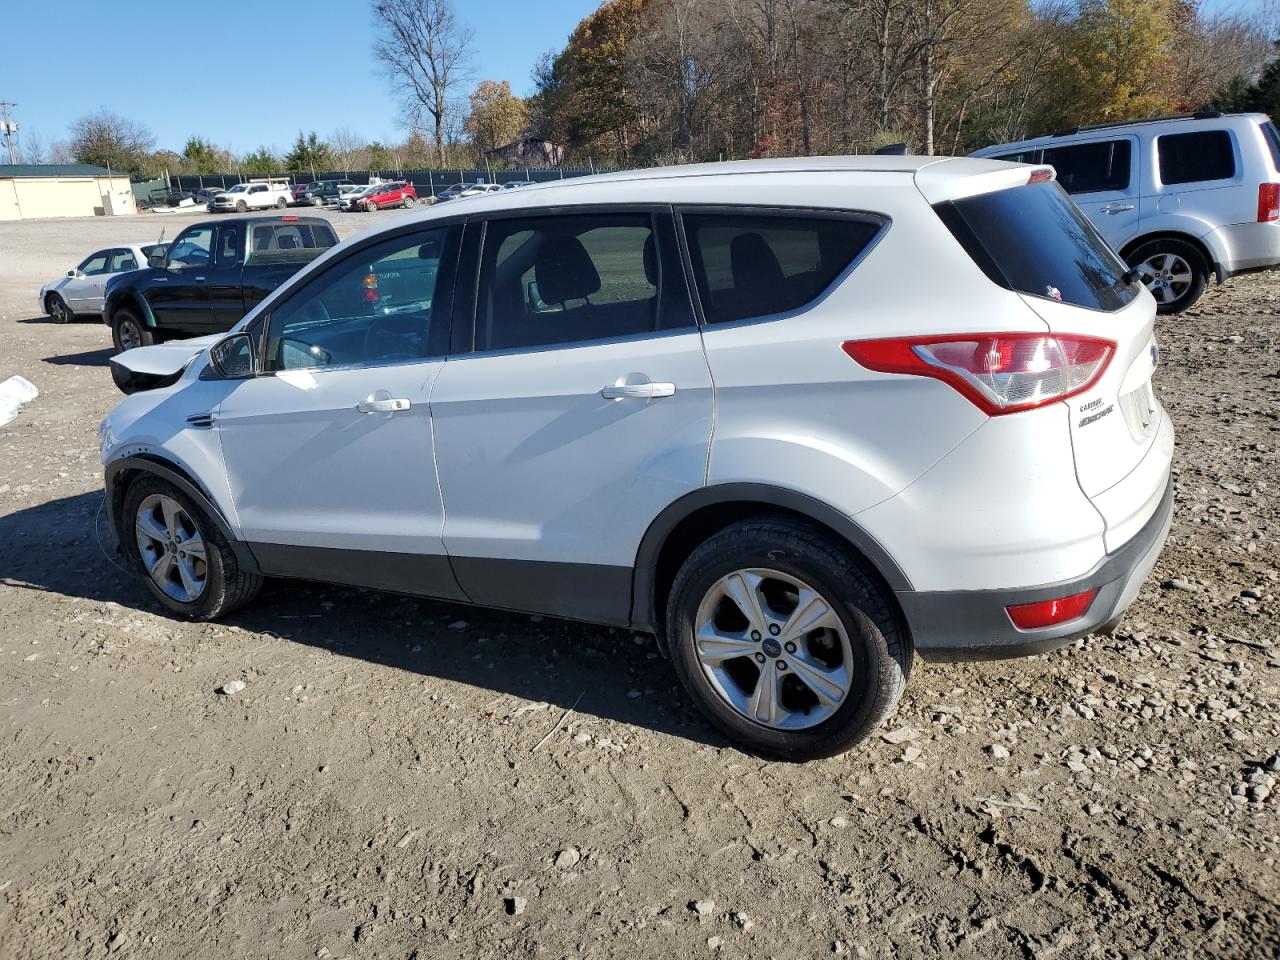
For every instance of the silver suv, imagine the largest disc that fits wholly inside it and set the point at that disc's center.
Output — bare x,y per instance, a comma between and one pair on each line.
1179,199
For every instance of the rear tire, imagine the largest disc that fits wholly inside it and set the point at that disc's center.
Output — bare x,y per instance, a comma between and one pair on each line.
858,651
408,203
281,203
127,331
58,309
1175,272
222,585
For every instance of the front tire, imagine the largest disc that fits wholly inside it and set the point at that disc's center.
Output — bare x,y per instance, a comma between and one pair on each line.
1175,272
127,331
183,559
785,640
58,309
241,206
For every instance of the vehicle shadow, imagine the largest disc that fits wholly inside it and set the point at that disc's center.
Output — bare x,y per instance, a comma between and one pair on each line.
64,547
82,318
89,358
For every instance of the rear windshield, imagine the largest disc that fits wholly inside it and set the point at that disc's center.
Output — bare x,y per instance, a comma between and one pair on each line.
289,242
1034,240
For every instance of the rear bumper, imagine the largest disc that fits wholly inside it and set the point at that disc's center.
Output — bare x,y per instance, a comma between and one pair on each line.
973,624
1249,247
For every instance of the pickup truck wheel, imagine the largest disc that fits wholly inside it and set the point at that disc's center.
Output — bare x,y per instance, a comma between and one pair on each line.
282,203
127,331
241,206
785,640
58,309
182,557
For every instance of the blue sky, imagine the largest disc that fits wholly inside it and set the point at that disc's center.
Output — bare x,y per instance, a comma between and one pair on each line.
280,68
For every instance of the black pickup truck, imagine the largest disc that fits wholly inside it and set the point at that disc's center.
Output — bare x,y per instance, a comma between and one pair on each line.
210,276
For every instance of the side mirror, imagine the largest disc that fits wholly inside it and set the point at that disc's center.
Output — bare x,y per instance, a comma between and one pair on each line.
156,259
72,273
233,357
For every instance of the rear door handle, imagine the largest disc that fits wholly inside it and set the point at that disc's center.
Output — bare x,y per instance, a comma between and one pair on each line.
638,391
382,406
1116,207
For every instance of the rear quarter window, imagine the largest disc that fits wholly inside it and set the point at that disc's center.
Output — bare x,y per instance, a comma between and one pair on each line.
1272,136
1195,157
1034,240
761,263
289,242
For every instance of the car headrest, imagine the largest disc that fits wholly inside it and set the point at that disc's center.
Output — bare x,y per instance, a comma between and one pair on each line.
563,270
651,272
753,265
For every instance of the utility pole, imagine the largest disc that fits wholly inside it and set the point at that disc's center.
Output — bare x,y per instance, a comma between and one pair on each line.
9,127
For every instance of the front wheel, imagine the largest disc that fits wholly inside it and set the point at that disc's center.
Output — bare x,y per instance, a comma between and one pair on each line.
183,559
1173,270
127,331
241,206
58,309
785,641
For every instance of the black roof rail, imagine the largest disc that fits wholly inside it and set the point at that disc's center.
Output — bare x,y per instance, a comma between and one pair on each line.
1198,115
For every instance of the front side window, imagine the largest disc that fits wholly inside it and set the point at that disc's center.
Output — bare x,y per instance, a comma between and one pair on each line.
122,260
575,278
95,263
373,307
758,264
1092,167
1034,240
1195,157
192,247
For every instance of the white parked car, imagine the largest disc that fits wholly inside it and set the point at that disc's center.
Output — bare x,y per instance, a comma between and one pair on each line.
797,467
348,199
79,292
1180,199
254,195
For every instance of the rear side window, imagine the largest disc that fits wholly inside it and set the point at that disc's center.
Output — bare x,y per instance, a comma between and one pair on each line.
286,241
1195,157
758,264
1091,167
1025,156
567,279
1034,240
1272,136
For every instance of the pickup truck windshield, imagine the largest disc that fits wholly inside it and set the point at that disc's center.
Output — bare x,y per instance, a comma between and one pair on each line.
1034,240
289,242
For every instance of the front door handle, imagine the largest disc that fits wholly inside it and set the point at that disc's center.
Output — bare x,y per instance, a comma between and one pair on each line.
382,406
1116,207
638,391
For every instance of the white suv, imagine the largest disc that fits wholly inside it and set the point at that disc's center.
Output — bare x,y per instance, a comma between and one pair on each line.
1179,199
799,418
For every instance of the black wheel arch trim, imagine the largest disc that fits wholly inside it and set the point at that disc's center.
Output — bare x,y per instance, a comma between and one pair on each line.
170,472
128,297
645,616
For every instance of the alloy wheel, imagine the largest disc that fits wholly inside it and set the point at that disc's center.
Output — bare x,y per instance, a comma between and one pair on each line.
59,310
1167,276
773,648
171,548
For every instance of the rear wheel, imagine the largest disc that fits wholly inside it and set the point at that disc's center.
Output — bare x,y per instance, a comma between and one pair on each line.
58,309
1175,272
784,640
282,203
408,203
183,559
127,331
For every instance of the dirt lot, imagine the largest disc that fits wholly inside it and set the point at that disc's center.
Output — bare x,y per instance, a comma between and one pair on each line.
402,778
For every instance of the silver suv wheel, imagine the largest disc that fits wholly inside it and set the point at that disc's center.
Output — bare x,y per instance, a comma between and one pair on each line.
1167,276
171,548
773,649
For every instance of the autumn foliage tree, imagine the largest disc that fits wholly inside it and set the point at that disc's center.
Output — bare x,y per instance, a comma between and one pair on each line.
497,117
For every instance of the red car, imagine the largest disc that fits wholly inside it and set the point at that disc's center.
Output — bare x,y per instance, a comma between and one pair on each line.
397,193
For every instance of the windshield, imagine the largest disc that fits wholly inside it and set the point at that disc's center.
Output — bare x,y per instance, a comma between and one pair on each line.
1034,240
238,188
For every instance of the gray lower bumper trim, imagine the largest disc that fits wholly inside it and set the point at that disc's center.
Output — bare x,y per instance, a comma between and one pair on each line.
973,624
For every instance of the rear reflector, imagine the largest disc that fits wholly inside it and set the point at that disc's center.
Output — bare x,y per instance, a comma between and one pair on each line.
1046,613
1268,202
998,372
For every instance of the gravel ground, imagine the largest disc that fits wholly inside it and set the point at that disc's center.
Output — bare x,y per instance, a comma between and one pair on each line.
399,778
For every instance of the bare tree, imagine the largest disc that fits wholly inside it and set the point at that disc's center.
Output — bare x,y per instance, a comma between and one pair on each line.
349,149
427,54
110,140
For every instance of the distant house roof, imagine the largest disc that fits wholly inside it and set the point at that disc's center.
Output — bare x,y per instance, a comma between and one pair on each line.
13,170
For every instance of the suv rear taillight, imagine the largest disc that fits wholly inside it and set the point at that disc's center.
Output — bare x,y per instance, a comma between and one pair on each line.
1268,202
998,372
